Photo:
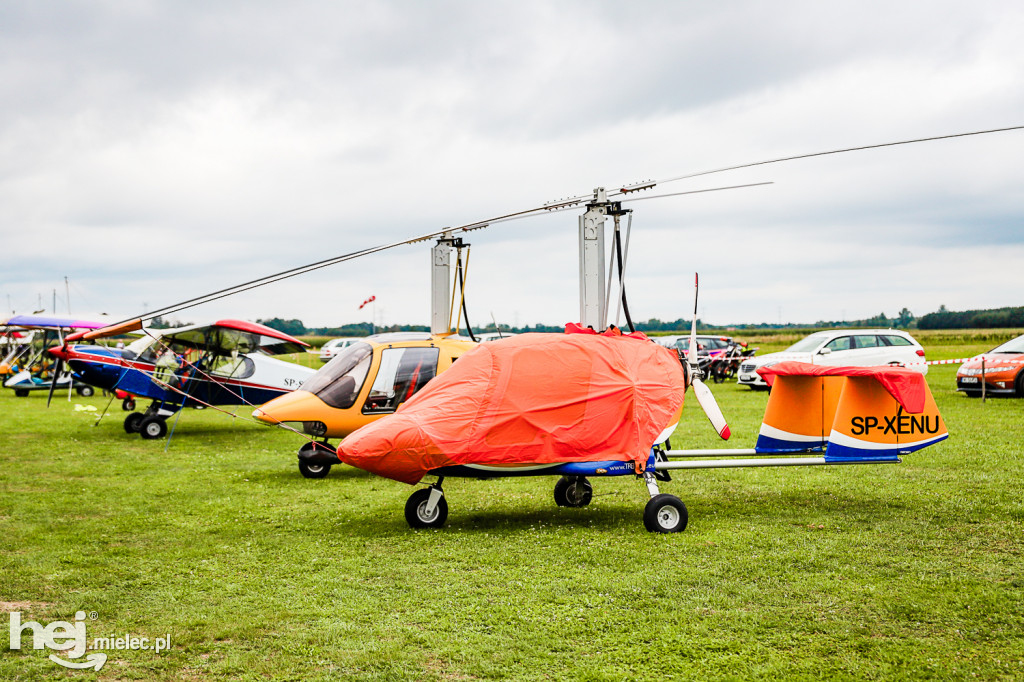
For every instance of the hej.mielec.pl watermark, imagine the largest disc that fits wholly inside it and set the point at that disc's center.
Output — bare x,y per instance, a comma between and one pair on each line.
72,642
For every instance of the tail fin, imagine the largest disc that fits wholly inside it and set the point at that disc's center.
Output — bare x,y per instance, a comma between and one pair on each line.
853,413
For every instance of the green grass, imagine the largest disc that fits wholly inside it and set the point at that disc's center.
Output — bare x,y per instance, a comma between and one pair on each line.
909,571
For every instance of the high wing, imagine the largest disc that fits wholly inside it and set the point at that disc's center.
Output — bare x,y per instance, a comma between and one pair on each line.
225,336
49,322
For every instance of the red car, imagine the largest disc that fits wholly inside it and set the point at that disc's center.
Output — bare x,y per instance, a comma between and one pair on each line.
1004,371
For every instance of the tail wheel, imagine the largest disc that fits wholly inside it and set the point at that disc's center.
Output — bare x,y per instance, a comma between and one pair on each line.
665,513
128,404
416,510
573,491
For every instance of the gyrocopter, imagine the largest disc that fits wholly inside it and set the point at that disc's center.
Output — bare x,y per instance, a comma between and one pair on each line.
596,402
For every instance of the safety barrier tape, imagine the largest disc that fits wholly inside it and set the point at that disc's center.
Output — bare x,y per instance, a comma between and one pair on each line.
956,361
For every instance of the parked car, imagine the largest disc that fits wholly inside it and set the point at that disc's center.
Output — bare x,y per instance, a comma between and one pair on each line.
335,346
838,347
1004,371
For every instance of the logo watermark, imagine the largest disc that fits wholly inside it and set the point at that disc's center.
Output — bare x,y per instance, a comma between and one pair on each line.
70,640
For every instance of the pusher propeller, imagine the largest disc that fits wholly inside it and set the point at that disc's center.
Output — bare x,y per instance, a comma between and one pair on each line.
700,389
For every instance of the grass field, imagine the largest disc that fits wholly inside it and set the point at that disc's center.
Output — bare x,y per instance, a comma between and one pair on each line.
909,571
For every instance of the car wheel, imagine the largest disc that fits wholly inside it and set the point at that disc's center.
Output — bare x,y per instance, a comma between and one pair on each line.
1020,384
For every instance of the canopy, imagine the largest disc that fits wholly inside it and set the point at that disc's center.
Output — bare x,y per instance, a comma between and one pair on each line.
906,386
529,399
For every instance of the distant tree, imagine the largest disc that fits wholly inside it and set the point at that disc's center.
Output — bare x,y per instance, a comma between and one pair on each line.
291,327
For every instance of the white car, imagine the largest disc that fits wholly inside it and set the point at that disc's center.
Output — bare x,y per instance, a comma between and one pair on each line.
842,347
335,346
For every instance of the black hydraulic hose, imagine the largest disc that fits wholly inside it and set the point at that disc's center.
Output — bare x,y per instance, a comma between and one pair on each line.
618,257
465,311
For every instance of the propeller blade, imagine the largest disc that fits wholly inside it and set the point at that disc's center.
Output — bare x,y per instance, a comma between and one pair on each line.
57,369
691,352
710,406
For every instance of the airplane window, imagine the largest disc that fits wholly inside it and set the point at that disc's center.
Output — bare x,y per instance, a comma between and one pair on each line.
842,343
339,381
403,371
239,367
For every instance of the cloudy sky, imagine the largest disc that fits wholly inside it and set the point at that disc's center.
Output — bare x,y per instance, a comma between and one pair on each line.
155,151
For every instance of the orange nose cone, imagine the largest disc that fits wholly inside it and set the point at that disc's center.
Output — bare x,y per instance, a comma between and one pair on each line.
297,406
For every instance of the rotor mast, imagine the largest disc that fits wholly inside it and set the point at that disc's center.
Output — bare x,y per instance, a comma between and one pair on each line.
593,291
440,280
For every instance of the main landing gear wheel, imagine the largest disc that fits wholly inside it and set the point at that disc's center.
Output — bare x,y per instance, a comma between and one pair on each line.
152,428
85,391
21,392
128,404
133,422
416,514
573,491
665,513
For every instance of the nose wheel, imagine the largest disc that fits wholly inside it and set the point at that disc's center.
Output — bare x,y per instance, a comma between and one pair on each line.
573,491
427,508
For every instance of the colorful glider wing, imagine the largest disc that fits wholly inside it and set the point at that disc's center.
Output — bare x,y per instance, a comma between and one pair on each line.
530,399
853,413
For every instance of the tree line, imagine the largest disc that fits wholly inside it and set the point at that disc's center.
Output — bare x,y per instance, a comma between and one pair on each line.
942,319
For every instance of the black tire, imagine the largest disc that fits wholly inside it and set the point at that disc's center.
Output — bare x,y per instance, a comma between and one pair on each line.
85,391
21,392
152,428
1020,384
311,470
133,422
128,404
665,513
573,491
414,510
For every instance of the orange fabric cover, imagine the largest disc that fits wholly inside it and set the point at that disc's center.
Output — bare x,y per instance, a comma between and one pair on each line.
529,399
906,386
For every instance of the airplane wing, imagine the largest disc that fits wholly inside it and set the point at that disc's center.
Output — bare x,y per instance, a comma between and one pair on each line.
224,336
49,322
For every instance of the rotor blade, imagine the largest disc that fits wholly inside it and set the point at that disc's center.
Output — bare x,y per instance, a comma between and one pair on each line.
710,406
650,184
53,380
